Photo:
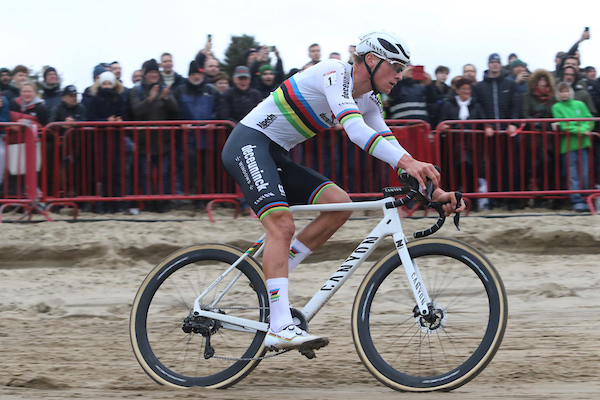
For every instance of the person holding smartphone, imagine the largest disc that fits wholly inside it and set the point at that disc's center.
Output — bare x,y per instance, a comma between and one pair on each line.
261,61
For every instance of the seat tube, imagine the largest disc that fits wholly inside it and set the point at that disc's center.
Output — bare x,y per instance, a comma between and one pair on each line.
413,274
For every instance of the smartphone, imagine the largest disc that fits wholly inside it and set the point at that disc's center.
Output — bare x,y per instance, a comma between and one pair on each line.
209,38
271,48
418,72
587,29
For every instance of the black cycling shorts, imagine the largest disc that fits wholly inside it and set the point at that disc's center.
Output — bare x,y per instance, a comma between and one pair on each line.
268,177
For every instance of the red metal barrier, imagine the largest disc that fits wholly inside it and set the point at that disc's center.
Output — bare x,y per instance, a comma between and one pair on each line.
525,164
135,161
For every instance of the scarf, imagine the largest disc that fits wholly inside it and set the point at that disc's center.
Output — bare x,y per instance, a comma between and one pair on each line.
463,113
544,94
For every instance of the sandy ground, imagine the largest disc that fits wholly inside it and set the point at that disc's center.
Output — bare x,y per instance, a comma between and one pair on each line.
66,290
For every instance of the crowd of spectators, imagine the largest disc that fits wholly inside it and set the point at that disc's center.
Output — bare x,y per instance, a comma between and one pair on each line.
511,91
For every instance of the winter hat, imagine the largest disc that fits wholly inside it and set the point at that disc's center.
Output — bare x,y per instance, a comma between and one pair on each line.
48,70
241,71
200,59
98,69
194,69
247,53
107,76
150,65
70,89
3,70
494,57
264,68
516,63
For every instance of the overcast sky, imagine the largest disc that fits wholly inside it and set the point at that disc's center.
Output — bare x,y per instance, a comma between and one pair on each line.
75,35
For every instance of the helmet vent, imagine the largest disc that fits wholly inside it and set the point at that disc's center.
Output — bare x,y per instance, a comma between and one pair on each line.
402,50
388,46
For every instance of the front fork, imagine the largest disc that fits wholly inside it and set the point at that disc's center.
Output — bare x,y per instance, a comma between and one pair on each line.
413,274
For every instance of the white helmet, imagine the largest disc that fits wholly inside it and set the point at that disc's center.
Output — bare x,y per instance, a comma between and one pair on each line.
385,45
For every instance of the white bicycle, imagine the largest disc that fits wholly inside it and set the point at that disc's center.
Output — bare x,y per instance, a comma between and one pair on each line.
429,315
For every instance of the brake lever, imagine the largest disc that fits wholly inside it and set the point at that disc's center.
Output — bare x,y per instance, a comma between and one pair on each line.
458,196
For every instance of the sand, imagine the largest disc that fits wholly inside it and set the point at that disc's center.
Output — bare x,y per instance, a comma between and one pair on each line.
66,291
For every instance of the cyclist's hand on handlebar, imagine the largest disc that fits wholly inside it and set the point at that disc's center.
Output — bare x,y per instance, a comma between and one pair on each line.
420,170
441,196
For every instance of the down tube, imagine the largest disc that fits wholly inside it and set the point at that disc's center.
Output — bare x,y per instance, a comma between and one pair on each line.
360,254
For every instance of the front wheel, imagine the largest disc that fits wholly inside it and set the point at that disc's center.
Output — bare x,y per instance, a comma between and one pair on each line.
410,352
170,343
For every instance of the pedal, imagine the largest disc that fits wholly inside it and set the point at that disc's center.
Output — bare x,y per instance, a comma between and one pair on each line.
308,349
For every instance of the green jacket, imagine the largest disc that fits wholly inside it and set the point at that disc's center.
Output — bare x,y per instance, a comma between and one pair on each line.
573,109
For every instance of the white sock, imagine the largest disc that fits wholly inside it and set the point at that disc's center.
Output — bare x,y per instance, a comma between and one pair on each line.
298,252
281,317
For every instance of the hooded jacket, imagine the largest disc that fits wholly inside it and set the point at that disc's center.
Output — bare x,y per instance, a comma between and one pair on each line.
35,112
533,106
573,109
498,97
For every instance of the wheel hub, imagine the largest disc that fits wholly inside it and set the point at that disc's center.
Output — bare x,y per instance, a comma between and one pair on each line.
433,322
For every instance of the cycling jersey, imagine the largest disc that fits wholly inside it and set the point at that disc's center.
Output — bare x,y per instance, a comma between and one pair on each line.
318,98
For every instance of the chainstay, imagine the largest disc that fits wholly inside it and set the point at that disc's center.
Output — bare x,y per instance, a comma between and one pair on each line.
253,358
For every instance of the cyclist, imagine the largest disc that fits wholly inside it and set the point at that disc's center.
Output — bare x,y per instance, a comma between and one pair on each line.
256,155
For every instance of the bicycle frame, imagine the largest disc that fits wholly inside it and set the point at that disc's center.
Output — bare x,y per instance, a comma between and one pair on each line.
390,225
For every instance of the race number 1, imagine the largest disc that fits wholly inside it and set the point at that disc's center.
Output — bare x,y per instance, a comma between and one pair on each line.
330,78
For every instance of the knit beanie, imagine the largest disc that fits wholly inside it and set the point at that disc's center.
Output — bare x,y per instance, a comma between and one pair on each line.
48,70
264,68
107,76
98,69
150,65
516,63
194,69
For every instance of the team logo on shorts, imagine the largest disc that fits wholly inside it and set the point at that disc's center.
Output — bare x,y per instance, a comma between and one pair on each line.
280,186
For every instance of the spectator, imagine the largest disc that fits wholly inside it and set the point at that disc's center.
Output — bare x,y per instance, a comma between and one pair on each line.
267,82
137,76
86,96
409,98
593,86
571,76
69,109
574,147
335,56
263,60
4,117
5,78
497,95
499,99
512,57
439,91
537,103
28,108
351,51
19,75
250,56
238,100
314,53
573,52
221,82
169,77
197,101
51,92
153,101
211,69
115,68
462,107
539,98
470,72
519,74
557,62
308,65
106,103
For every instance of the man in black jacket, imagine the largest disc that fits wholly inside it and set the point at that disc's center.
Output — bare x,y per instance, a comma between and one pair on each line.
239,100
500,99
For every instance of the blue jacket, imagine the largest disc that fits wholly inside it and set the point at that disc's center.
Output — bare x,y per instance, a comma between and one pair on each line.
4,111
197,102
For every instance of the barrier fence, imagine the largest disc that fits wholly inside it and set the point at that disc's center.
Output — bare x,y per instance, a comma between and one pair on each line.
122,163
549,158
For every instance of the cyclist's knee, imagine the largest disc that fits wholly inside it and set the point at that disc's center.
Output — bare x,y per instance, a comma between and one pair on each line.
280,224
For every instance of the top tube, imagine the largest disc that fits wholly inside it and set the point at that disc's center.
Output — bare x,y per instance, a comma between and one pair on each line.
353,206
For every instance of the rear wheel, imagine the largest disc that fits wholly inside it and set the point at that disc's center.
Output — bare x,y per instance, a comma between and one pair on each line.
170,343
442,351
